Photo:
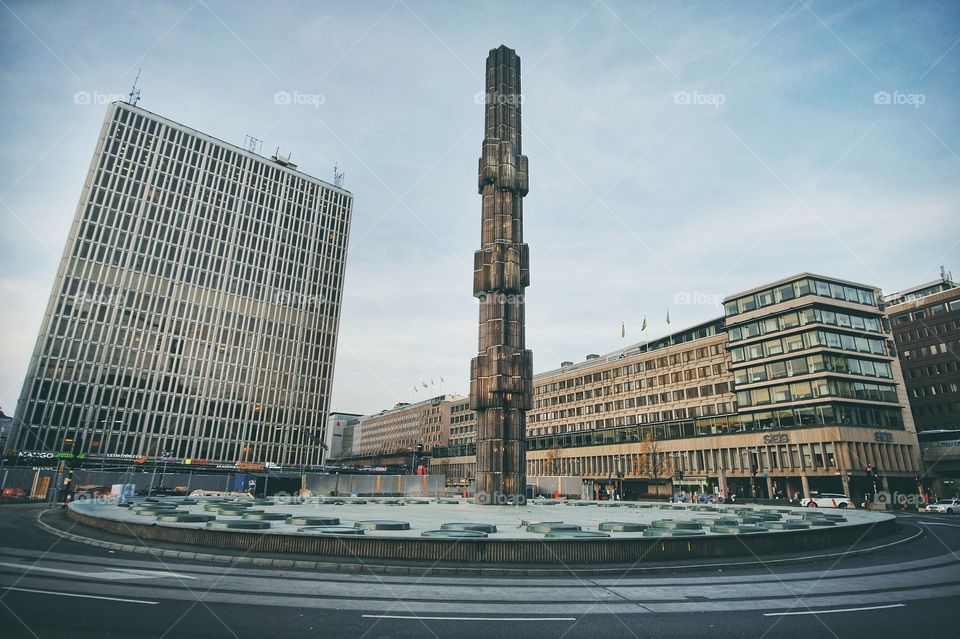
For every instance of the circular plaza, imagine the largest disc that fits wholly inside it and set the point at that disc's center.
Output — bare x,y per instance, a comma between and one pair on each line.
457,531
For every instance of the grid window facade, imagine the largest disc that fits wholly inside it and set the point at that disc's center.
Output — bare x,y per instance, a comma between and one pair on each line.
406,426
196,308
820,341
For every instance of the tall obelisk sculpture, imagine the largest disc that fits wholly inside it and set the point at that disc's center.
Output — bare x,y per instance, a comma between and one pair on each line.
501,375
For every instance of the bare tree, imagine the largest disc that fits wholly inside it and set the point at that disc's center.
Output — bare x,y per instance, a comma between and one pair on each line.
651,461
552,467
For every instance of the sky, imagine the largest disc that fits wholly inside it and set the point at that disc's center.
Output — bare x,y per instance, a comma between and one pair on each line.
679,152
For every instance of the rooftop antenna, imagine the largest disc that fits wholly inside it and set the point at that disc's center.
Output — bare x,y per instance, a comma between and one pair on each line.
337,177
135,92
283,160
252,144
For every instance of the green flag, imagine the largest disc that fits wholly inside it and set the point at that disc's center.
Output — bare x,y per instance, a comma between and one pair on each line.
623,329
644,327
668,316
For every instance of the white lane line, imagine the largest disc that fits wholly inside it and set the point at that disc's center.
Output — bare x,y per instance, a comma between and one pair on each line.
937,523
419,618
114,574
74,594
827,612
155,573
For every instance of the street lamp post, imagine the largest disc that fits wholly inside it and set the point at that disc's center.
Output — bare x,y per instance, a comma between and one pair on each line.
619,462
165,454
413,463
677,472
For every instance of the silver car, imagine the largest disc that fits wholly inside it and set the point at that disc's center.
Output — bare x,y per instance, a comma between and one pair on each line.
948,506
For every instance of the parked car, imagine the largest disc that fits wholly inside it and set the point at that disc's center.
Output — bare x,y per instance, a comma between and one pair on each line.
828,500
91,491
948,506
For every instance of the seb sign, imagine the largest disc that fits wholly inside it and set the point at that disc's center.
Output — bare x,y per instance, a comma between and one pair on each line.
778,438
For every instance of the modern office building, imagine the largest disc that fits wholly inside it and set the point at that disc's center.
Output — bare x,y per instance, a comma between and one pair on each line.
351,438
406,426
196,307
796,389
333,441
926,326
463,433
927,331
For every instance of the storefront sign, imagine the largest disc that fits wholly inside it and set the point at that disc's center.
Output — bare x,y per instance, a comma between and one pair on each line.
779,438
883,437
32,454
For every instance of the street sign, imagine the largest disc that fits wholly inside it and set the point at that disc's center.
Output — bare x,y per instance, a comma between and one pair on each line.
764,476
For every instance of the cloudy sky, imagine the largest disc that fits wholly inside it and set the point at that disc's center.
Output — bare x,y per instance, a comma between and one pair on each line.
679,152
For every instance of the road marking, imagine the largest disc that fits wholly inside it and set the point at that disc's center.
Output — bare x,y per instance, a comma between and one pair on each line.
827,612
116,573
937,523
419,618
74,594
154,573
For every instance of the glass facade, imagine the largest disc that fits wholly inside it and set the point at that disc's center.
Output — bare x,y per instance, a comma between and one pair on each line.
196,308
785,364
800,288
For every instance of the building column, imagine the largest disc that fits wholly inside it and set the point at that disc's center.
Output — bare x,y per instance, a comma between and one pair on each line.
769,486
722,483
846,485
806,487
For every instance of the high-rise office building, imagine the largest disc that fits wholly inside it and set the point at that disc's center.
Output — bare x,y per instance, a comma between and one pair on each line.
195,311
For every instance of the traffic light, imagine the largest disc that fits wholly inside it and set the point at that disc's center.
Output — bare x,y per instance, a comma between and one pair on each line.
754,469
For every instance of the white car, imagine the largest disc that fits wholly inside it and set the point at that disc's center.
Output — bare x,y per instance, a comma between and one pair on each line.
828,500
948,506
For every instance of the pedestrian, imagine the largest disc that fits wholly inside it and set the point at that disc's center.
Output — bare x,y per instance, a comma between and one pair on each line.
733,498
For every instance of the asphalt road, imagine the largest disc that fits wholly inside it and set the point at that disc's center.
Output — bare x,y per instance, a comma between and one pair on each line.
50,587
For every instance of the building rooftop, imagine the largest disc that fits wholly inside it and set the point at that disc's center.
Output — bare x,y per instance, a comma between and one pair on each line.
281,163
793,278
447,397
676,338
945,283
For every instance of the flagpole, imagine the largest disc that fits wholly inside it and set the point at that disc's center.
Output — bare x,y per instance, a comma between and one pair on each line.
668,326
